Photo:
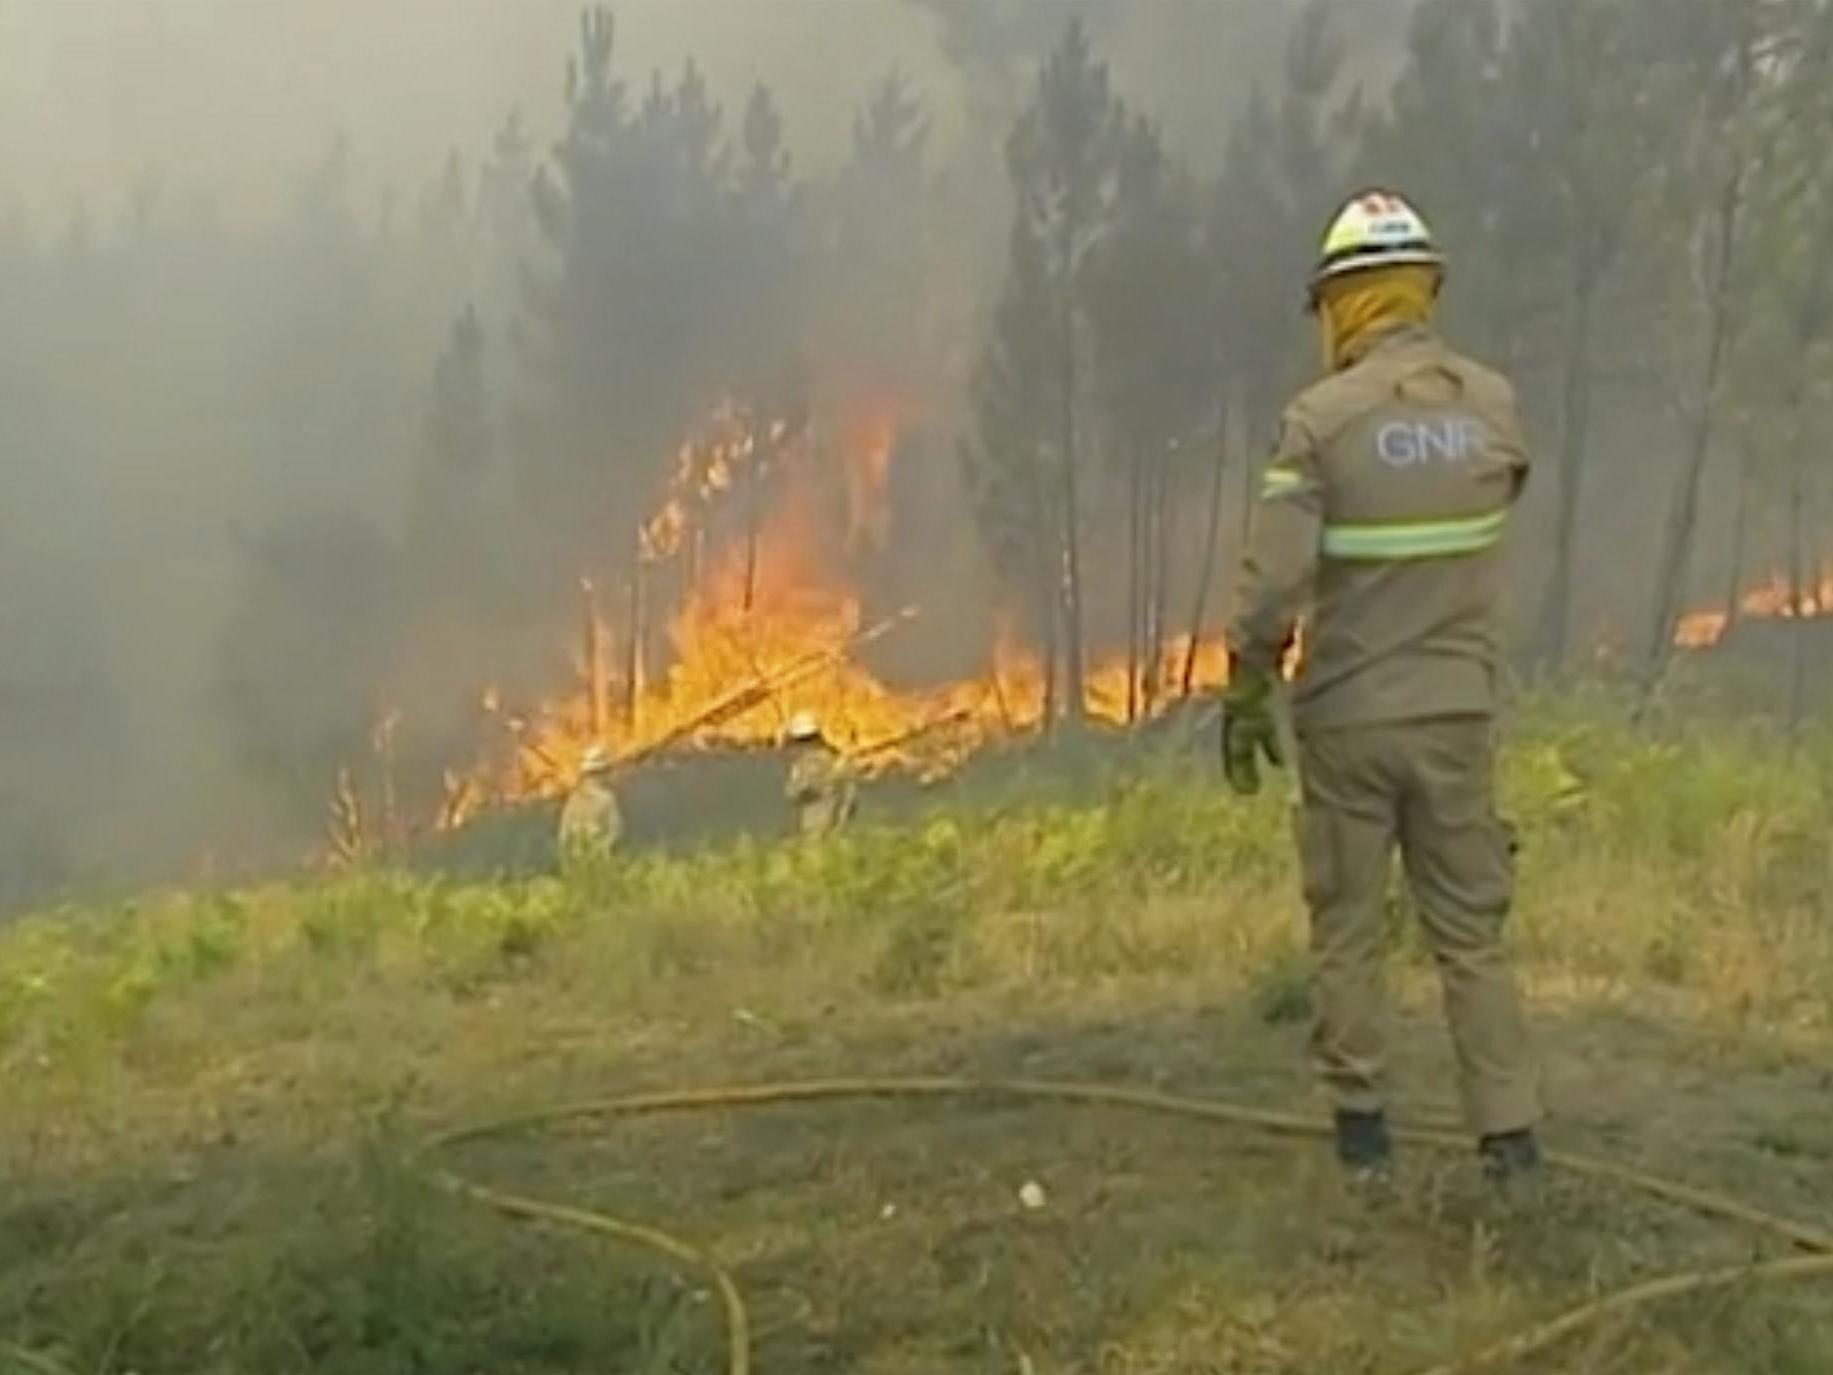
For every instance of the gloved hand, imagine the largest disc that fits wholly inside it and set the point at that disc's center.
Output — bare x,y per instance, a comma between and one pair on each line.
1248,728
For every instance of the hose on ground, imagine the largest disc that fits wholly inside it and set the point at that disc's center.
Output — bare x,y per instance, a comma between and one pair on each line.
737,1321
23,1358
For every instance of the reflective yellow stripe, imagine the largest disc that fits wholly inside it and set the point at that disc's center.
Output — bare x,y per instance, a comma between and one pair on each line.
1424,539
1279,482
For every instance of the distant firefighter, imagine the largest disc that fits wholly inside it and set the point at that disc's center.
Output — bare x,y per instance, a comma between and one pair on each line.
590,822
820,786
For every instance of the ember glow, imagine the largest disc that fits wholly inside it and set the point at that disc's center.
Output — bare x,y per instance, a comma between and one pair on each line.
1771,599
866,444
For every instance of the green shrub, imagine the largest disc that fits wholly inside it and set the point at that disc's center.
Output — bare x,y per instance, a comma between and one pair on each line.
1695,857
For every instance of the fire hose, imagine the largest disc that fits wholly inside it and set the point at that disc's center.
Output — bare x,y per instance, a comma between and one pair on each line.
1803,1236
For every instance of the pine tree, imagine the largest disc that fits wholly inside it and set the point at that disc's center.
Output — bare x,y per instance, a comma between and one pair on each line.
1286,169
445,215
878,263
1062,157
455,550
767,270
302,658
458,429
627,336
1728,66
1007,464
503,201
991,43
1451,140
1776,376
1155,326
1572,83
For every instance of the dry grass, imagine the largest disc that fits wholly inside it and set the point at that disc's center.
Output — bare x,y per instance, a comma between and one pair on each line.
210,1097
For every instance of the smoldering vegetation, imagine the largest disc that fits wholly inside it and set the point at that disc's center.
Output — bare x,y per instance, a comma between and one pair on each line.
278,466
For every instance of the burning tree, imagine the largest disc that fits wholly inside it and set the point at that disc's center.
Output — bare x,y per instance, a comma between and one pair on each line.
1062,158
636,320
1157,363
744,586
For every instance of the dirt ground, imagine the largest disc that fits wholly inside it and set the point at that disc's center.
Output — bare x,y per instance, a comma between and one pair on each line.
893,1237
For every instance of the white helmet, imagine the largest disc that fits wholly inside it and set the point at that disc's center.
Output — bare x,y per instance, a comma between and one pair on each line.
597,759
803,727
1374,228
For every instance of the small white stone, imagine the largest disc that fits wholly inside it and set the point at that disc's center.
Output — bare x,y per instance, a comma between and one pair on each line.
1031,1194
888,1212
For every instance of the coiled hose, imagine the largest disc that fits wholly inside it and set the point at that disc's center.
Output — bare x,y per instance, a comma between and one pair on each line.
1817,1242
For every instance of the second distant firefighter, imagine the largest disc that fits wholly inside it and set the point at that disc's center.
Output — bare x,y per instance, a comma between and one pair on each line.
590,821
820,786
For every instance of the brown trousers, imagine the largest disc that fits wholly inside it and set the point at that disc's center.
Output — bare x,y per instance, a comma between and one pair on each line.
1427,786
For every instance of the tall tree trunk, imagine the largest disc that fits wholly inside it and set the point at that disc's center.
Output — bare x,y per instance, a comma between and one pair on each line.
1163,525
633,664
598,690
1046,586
384,743
1798,601
1734,580
751,534
1575,424
1135,588
1670,589
1207,565
695,558
1050,607
1073,685
1249,472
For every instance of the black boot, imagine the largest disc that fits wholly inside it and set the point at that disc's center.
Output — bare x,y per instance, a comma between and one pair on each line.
1363,1144
1510,1159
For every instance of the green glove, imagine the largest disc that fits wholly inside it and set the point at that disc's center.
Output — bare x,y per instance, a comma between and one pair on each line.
1248,728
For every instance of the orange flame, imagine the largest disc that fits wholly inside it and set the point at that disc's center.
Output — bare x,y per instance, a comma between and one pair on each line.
771,625
1771,599
866,445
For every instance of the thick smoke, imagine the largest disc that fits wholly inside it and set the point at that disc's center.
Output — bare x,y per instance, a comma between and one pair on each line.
338,341
234,242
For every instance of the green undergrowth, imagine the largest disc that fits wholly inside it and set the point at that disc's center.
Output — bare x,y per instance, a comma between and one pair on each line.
204,1150
1695,859
353,1263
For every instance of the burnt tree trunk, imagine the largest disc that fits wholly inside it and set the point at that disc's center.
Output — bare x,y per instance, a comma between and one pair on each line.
633,663
1050,609
1575,426
1073,660
1797,565
1136,597
598,690
1670,589
752,521
695,556
1734,579
1163,525
1206,570
1045,594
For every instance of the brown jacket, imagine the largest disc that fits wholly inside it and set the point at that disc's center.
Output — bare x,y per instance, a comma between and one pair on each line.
1383,509
591,822
820,787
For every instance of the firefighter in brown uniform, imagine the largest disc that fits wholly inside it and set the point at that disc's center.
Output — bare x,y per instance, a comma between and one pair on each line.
1380,519
591,823
820,785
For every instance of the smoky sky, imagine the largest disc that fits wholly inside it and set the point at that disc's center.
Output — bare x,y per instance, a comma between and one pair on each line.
231,97
228,99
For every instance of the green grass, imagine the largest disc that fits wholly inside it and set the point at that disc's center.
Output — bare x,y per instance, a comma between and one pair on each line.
211,1098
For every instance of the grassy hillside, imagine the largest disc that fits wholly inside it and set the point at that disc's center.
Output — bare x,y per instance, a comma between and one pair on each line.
212,1100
